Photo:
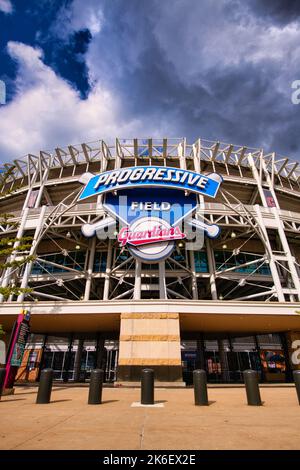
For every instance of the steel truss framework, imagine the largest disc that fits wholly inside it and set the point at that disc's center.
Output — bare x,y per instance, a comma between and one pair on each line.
54,218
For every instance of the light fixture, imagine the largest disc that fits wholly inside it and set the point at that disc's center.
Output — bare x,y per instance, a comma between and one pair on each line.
221,297
77,247
180,245
68,234
233,234
224,246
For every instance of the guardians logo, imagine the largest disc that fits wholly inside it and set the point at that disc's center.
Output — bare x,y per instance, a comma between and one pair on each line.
150,203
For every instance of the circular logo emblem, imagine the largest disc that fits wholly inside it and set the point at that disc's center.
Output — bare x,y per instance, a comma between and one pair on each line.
152,251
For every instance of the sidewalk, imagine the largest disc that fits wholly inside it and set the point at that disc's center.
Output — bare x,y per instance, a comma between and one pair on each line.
228,423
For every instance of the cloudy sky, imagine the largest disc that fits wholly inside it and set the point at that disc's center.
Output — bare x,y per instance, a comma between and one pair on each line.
83,70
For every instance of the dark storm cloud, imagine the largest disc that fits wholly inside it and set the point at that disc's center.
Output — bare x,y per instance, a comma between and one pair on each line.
281,11
234,101
216,69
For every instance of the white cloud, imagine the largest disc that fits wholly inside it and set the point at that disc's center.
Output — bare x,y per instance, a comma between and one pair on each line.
47,112
6,6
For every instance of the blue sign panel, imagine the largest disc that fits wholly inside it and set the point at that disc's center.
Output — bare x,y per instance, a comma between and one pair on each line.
170,205
152,176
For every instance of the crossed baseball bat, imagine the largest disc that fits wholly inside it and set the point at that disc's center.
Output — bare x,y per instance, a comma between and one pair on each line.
89,230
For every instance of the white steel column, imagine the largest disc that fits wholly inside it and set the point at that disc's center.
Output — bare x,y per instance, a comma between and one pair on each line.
270,182
181,154
197,156
212,269
7,272
44,177
269,252
286,248
107,272
138,280
162,280
194,278
35,240
89,278
257,178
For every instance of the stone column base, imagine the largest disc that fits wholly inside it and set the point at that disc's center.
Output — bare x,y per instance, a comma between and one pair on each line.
161,373
150,340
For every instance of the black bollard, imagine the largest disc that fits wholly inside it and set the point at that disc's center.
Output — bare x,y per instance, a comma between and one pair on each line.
252,387
96,383
45,387
147,387
200,387
2,378
296,374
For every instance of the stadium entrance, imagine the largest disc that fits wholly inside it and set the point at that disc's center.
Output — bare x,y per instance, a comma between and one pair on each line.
225,359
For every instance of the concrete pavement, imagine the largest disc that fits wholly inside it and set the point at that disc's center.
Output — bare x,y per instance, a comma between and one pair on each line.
228,423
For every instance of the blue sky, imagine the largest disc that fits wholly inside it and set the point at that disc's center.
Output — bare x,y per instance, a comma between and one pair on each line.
77,71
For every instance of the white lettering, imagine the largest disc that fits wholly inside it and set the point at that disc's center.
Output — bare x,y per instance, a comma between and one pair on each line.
134,205
148,174
101,180
124,176
148,206
112,178
159,174
192,179
202,182
136,174
169,175
184,177
178,175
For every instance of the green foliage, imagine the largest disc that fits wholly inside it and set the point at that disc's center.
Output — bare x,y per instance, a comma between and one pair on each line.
13,250
2,332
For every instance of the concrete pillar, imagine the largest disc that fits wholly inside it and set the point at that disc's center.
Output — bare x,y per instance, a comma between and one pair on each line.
223,361
77,362
150,340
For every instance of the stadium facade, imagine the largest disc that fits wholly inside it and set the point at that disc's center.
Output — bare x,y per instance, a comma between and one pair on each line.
225,298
